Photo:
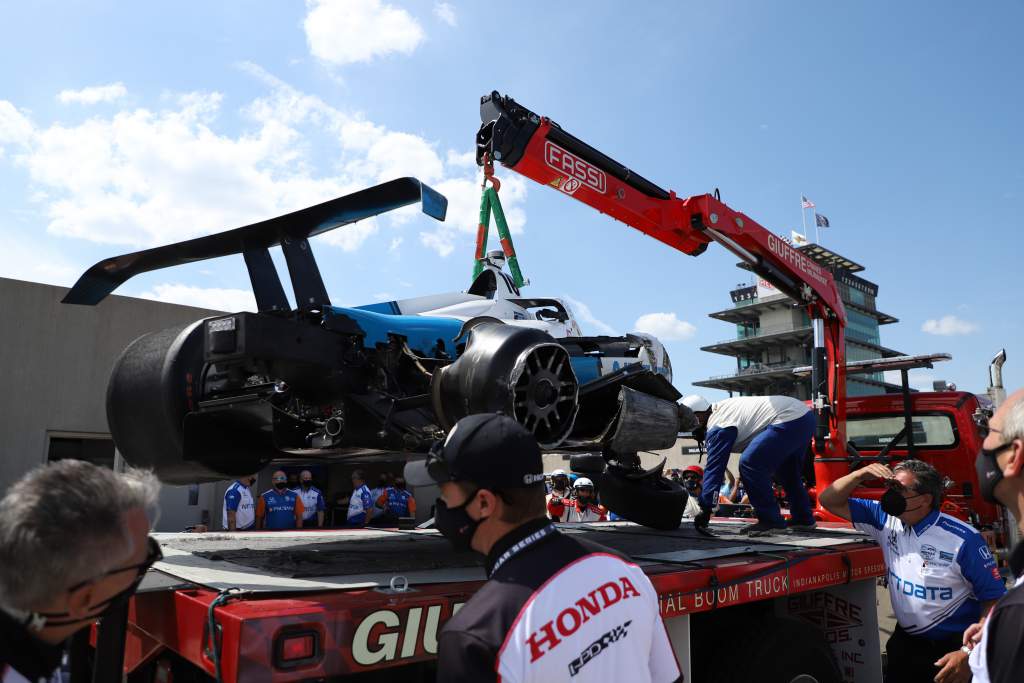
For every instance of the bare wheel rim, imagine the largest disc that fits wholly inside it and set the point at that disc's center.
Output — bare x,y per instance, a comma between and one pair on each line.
545,392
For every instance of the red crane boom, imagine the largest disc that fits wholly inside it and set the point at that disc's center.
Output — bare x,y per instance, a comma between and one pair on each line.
541,150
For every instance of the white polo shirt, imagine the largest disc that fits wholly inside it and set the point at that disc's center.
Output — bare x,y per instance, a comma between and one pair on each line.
751,414
238,498
312,501
940,569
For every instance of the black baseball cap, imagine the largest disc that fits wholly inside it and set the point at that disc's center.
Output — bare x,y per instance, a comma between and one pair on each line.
487,449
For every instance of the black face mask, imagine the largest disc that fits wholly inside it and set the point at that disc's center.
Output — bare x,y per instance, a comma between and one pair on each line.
307,485
281,485
455,524
691,486
252,480
894,504
36,621
989,472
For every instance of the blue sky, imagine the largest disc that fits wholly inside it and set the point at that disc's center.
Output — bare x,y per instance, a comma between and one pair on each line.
127,125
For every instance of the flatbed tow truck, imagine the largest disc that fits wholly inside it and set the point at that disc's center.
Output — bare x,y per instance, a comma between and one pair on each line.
367,605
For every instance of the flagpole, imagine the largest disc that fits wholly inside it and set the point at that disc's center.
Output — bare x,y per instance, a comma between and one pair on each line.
803,214
817,230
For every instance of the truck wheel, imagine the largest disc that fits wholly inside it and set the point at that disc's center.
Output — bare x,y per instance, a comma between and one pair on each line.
776,650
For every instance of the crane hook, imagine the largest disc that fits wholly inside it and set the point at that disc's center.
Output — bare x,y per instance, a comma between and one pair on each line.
489,174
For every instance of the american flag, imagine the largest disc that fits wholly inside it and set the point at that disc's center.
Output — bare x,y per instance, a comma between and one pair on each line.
820,220
806,203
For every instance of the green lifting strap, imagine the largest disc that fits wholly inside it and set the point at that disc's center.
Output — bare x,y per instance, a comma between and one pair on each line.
489,203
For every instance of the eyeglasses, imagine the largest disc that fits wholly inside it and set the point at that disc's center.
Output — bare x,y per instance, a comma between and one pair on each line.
981,422
897,485
153,555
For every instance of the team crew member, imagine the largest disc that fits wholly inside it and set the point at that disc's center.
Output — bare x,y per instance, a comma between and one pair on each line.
560,487
312,501
560,490
997,649
75,544
360,505
583,509
239,506
396,501
553,606
942,577
279,508
773,433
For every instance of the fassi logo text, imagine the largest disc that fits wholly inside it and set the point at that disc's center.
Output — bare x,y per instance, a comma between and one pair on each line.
571,165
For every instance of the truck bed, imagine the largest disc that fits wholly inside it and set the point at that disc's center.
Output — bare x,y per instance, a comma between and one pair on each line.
320,560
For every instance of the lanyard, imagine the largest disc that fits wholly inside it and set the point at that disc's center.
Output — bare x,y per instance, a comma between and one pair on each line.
522,545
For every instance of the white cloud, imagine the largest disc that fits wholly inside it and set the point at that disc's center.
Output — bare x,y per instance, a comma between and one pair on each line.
396,242
34,263
463,193
465,159
665,326
214,298
949,325
144,177
351,237
348,31
446,13
94,94
587,319
15,127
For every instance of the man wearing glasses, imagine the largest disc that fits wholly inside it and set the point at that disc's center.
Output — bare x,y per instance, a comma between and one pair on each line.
997,647
75,544
942,576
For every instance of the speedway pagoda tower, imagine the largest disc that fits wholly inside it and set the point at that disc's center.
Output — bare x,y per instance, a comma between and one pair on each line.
774,336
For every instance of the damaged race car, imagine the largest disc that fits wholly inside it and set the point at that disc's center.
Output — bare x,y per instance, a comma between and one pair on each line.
226,395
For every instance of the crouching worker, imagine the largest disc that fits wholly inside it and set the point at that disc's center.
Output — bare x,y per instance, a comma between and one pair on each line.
550,598
75,544
773,433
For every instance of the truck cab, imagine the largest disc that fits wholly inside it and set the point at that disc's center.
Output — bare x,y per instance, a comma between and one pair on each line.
943,433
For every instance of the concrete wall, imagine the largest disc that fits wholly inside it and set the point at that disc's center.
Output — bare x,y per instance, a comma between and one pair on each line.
55,364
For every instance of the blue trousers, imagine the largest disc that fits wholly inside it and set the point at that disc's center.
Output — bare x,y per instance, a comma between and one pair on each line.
779,450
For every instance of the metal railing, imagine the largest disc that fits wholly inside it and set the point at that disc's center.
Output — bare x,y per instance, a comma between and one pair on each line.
764,333
758,369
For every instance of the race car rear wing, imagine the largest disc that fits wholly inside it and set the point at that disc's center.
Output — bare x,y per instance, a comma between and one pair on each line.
291,231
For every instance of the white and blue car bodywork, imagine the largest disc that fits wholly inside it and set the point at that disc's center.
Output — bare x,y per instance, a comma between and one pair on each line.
223,396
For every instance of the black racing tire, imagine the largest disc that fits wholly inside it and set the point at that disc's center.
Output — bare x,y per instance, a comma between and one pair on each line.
775,650
151,387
